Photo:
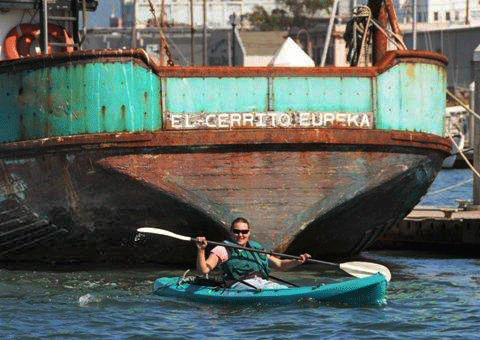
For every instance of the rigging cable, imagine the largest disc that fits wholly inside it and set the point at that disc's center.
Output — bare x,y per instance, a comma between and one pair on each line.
470,165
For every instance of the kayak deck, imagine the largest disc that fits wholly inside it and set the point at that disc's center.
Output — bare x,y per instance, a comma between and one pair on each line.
369,290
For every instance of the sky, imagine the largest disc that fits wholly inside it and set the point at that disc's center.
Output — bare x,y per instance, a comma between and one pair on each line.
100,18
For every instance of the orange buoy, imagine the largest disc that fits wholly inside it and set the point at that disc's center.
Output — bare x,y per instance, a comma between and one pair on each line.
18,42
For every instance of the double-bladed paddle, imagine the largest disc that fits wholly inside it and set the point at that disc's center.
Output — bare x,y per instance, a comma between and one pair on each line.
355,268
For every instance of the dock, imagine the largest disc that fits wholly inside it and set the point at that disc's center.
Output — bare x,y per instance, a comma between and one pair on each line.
446,230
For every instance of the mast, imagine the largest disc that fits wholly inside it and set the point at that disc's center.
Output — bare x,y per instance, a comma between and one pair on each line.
414,24
467,13
392,17
134,24
379,45
204,32
192,34
163,42
329,33
44,24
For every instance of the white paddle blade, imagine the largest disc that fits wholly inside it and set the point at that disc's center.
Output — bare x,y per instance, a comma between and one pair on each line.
164,233
363,269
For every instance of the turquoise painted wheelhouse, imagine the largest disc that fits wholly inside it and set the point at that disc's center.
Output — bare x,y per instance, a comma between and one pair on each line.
79,99
128,96
411,96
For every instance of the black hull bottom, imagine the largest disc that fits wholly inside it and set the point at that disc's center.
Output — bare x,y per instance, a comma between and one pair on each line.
87,211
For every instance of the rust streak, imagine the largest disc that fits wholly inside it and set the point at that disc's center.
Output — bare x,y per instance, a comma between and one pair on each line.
5,181
70,188
219,138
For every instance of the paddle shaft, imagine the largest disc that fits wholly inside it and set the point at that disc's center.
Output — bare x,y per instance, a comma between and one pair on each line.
268,252
357,269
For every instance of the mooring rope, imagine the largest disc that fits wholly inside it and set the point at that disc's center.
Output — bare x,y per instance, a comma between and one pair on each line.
449,187
163,37
393,37
358,31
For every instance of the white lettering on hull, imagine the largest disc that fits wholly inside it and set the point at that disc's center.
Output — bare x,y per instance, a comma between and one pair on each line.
225,120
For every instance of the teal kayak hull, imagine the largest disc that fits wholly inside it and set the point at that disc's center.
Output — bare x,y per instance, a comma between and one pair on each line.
370,290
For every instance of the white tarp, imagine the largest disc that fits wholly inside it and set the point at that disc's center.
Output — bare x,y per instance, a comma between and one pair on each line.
290,54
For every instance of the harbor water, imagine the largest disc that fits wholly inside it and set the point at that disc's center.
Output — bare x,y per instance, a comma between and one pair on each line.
449,187
430,296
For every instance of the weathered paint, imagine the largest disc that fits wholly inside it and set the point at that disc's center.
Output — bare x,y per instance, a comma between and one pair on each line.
253,99
305,186
262,120
322,94
411,96
125,96
214,138
79,99
329,190
216,95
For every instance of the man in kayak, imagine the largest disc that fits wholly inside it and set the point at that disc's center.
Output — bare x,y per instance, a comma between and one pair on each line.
243,269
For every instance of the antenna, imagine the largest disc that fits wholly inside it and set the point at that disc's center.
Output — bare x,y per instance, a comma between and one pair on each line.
113,8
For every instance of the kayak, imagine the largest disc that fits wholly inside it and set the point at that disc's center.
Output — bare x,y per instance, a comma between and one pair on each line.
370,290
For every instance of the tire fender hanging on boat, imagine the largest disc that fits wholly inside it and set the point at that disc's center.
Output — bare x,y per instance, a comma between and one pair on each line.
20,38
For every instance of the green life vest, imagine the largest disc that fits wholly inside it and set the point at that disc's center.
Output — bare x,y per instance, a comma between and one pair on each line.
242,263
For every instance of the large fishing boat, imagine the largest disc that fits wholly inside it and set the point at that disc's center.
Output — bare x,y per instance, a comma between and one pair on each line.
97,143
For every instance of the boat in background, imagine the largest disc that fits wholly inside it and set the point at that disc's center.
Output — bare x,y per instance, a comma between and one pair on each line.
96,143
457,126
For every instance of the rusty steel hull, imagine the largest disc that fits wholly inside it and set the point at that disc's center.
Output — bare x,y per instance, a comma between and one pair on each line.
96,144
330,193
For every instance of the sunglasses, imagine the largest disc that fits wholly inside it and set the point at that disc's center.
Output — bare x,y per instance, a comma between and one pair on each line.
238,231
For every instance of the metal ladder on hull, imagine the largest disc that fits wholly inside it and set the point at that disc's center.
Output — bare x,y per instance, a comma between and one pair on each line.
22,229
66,12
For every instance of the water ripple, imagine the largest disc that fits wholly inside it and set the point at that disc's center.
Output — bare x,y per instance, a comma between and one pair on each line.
426,296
